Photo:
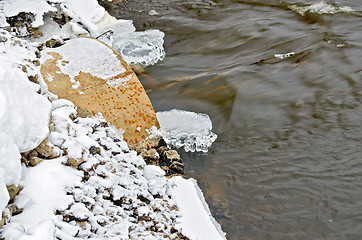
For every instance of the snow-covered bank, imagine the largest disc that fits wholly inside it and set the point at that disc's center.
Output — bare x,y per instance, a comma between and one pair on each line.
114,194
93,186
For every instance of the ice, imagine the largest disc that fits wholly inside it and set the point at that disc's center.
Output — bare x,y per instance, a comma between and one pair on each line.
320,8
186,129
145,47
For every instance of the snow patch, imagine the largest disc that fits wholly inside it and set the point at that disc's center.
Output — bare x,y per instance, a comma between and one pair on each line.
196,221
75,59
12,8
43,193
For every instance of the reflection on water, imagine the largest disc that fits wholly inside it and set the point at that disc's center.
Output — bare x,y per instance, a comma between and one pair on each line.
287,161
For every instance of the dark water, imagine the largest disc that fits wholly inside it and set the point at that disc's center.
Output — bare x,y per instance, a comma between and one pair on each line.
287,163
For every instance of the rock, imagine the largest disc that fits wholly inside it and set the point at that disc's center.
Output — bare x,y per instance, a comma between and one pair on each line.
150,156
3,220
94,150
14,190
52,43
33,79
45,149
33,161
170,156
74,162
176,167
96,79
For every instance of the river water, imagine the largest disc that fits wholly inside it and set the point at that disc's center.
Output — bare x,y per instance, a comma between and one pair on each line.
287,163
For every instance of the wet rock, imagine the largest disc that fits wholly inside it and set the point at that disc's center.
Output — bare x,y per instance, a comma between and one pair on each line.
33,161
151,156
14,190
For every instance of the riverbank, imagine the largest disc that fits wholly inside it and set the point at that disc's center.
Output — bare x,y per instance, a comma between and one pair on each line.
107,190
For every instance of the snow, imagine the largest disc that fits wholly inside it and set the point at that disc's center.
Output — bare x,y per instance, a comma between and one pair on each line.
9,160
43,193
75,58
27,117
186,129
196,221
153,172
24,114
37,7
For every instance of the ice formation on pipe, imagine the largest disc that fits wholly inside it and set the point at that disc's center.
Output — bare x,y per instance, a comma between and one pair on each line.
189,130
144,47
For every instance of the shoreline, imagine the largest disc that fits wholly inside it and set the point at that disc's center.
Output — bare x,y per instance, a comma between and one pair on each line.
99,162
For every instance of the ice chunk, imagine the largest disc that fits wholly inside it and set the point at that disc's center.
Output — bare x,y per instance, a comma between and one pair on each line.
145,47
187,129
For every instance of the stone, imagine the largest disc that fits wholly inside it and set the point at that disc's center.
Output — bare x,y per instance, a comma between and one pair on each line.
33,161
52,43
170,156
45,149
14,190
177,167
118,96
3,220
150,156
74,162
